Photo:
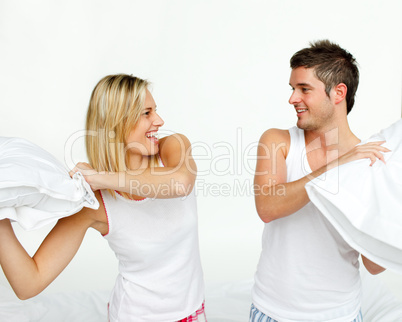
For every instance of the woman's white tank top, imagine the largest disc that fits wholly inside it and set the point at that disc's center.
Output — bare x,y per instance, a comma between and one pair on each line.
306,272
156,242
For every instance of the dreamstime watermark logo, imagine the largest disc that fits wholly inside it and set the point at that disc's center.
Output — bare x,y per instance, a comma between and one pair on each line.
235,161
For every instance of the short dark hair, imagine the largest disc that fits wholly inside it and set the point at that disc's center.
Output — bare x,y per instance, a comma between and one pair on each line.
332,65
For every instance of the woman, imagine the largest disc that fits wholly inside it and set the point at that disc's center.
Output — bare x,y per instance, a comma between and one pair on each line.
147,214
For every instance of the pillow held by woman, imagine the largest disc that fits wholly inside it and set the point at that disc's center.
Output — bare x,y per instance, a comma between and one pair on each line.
35,188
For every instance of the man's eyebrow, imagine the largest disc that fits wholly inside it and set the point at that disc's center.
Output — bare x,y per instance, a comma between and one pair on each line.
301,84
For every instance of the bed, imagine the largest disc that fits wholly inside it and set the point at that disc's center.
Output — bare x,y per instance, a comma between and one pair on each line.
227,302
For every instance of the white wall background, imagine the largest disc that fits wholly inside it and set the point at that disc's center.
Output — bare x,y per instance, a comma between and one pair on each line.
220,72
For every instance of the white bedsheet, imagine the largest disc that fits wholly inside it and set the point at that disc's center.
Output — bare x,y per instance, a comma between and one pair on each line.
364,203
229,302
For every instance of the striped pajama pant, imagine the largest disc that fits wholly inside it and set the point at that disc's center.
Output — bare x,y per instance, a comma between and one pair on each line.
258,316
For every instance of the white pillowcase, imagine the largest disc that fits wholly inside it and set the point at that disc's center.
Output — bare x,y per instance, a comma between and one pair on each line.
35,189
364,203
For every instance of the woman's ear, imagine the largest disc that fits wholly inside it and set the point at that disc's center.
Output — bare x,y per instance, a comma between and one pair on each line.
340,92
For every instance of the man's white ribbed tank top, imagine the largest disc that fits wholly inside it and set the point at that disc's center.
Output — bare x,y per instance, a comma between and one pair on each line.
156,242
306,272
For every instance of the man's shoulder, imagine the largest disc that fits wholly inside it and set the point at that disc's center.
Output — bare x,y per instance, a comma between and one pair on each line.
274,140
275,135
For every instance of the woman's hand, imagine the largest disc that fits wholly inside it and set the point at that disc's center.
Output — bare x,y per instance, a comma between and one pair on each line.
91,176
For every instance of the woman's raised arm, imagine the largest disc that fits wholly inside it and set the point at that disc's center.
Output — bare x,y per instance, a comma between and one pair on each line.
28,276
175,179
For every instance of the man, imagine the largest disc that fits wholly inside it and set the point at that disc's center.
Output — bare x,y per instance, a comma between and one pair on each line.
307,272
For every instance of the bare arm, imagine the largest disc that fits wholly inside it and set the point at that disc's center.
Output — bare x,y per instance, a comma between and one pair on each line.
28,276
176,179
274,196
372,267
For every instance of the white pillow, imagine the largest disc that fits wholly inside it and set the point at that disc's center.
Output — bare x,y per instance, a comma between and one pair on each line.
35,189
364,203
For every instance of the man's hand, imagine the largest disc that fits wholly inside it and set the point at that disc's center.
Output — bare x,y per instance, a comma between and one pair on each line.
372,150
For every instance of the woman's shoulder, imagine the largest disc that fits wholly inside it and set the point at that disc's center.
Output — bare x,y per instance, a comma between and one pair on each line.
173,147
174,140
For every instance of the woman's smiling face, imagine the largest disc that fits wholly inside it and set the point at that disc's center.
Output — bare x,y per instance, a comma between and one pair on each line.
143,138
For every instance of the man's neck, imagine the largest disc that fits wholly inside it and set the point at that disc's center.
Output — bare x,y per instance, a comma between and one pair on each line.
325,145
334,136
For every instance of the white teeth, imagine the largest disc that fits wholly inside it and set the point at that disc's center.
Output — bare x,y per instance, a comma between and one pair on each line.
301,110
152,135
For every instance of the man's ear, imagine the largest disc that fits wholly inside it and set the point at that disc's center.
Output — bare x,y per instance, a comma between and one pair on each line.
340,92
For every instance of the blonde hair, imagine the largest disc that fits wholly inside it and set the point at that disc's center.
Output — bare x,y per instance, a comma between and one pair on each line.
114,109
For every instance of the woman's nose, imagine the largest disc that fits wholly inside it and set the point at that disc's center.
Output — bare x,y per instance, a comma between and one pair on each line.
158,120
